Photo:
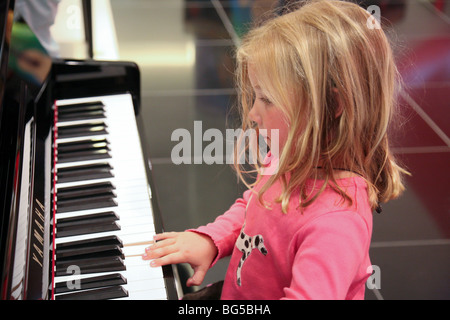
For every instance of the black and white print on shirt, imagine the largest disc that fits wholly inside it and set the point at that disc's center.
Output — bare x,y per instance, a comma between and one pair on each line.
246,244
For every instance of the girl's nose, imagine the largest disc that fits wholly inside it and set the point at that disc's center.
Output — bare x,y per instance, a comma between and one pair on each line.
254,116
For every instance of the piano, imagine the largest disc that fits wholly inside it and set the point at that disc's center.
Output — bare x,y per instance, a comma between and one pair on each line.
78,204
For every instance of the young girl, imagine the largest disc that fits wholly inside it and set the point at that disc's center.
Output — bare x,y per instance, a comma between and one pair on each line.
326,81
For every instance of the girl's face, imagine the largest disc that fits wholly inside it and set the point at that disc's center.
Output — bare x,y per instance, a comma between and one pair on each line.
266,115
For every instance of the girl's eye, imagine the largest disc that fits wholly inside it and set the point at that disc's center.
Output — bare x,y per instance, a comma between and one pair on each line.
265,101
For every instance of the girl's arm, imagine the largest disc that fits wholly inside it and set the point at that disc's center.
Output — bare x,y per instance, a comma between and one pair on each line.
200,247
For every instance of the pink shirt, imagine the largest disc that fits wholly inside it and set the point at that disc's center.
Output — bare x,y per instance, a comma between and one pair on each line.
322,253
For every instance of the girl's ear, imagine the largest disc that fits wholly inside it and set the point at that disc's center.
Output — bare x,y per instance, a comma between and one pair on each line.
339,108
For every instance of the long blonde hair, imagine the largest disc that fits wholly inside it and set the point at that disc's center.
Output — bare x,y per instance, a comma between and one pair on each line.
335,80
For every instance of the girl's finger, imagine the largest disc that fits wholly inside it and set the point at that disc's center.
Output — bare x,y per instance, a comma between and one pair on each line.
173,258
161,244
197,277
164,235
157,252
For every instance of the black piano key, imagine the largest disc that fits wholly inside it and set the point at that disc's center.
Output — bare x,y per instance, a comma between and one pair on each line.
83,150
89,251
82,145
92,265
85,172
100,201
114,292
79,108
84,156
89,196
82,111
74,107
94,218
82,130
92,186
84,195
115,279
99,241
84,190
86,229
89,246
87,115
79,256
68,150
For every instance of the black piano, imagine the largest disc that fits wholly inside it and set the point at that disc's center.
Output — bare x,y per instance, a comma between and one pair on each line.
77,202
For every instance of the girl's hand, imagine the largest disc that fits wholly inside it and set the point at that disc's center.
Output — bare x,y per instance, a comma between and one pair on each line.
183,247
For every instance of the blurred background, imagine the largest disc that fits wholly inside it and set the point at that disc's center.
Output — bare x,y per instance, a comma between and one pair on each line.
185,52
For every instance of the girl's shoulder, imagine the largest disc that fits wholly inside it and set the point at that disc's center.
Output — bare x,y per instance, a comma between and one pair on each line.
329,201
331,204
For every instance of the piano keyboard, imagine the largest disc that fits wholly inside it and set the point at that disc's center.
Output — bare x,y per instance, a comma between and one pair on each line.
104,217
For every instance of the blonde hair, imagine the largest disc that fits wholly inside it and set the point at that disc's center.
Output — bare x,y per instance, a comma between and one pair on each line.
335,80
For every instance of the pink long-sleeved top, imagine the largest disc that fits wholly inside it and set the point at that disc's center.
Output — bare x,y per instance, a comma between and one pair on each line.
320,253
